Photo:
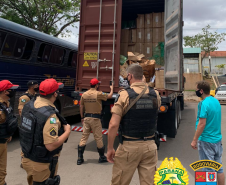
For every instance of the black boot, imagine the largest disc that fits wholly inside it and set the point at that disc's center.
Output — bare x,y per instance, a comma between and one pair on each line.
5,183
103,158
81,150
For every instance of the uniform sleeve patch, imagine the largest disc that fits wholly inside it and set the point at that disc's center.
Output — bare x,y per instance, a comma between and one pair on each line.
52,120
104,93
23,100
52,132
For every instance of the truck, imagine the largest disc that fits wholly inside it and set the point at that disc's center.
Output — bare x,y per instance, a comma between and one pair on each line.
99,53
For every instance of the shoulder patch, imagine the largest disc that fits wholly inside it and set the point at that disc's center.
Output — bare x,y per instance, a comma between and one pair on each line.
23,100
117,97
104,93
52,132
52,120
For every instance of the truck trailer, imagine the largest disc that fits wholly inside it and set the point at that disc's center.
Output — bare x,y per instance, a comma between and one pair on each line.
100,45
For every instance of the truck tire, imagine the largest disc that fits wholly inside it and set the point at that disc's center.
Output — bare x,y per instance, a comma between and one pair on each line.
167,122
178,113
182,102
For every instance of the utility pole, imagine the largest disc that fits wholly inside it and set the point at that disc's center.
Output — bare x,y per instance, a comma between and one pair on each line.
210,62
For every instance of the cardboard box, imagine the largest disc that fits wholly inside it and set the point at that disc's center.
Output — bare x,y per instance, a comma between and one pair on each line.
148,50
140,48
124,49
148,20
157,35
157,20
132,48
163,19
140,35
163,35
125,36
148,69
135,56
140,21
155,44
160,79
133,35
148,35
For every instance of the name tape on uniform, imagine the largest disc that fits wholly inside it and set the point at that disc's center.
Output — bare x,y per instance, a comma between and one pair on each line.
104,132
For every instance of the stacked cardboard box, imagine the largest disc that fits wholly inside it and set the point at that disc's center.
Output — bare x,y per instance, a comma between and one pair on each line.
124,42
148,33
159,80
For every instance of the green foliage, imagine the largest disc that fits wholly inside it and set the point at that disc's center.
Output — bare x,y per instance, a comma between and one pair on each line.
207,41
48,16
221,66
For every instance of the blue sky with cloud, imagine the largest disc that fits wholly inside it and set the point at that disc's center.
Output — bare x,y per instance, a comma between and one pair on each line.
197,15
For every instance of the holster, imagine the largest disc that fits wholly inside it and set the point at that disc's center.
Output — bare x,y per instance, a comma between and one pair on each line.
63,122
53,180
157,139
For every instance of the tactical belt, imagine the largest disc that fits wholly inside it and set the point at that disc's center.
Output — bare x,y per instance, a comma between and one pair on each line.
93,115
3,140
140,139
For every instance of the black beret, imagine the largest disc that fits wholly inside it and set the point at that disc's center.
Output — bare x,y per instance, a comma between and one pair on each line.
31,82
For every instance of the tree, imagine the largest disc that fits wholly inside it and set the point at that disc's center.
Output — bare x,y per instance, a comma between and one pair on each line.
207,41
49,16
220,67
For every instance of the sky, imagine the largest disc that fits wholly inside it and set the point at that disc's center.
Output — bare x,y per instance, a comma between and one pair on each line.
197,15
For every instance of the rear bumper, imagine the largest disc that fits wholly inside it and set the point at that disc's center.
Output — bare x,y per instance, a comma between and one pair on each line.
220,98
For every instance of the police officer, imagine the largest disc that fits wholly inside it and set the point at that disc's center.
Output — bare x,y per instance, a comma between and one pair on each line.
91,102
137,122
26,97
8,124
33,88
42,134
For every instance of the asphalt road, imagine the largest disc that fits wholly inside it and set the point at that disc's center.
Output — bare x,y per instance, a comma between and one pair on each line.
92,173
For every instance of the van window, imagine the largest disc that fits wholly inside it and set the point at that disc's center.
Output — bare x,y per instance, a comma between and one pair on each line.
28,49
2,38
44,53
72,59
57,55
19,48
9,45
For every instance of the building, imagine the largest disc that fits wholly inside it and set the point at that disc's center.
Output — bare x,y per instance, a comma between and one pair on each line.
216,58
192,60
192,67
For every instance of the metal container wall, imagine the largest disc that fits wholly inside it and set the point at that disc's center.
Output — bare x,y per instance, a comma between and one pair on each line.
97,34
173,45
99,18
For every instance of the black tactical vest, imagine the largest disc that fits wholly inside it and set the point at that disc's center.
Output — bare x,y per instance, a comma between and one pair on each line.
8,128
31,133
141,120
31,96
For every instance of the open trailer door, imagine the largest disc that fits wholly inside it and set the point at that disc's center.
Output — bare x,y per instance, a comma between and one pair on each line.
173,45
99,43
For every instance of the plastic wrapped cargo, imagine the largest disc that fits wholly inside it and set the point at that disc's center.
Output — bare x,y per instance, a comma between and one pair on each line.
158,54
